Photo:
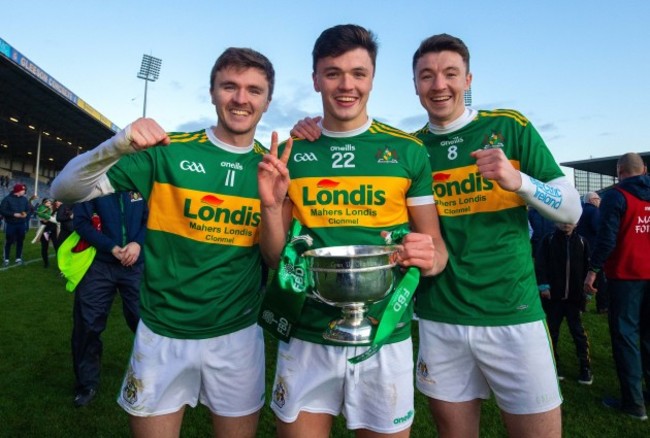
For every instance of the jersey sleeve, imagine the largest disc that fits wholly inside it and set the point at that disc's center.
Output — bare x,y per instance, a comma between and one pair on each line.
421,183
134,172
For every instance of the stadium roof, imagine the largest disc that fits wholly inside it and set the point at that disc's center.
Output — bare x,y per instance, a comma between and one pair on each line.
603,166
31,101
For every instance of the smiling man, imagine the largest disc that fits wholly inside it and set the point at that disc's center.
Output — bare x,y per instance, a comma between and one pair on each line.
201,288
381,180
481,322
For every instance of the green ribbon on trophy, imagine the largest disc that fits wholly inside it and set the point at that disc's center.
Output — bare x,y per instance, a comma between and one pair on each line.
399,302
283,301
285,297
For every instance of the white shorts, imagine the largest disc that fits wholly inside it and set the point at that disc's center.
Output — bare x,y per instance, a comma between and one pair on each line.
376,394
458,363
225,373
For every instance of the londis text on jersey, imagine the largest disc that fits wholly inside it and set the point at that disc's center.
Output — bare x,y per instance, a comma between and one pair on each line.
364,195
242,216
442,187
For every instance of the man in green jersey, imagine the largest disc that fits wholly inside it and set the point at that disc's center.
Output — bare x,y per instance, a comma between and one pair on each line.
481,322
200,292
360,178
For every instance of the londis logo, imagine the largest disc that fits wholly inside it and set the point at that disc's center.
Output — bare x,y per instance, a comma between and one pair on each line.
211,200
209,210
442,186
327,194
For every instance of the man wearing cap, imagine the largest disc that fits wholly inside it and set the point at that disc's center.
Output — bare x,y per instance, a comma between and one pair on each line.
15,208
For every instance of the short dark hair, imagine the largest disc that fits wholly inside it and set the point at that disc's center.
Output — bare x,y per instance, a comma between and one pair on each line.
340,39
439,43
243,58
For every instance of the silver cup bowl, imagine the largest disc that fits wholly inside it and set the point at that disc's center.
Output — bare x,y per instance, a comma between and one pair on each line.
351,277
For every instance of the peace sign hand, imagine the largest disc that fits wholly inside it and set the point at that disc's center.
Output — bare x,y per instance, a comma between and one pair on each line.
273,176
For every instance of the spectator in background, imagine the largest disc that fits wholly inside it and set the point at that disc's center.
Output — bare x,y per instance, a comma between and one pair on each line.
561,264
588,228
622,248
540,226
48,229
15,208
117,266
64,216
33,205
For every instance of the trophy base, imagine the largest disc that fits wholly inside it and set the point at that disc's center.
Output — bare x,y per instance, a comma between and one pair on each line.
344,331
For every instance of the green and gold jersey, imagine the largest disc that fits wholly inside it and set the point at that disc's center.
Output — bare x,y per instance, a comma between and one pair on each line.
346,190
489,279
202,260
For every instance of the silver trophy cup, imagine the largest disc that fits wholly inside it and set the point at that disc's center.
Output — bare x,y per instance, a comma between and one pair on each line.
351,277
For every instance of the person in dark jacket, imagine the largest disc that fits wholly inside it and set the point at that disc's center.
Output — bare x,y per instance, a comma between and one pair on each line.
64,216
540,227
561,265
622,251
15,208
588,228
115,225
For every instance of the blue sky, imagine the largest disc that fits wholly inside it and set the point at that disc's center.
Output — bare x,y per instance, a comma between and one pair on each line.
579,70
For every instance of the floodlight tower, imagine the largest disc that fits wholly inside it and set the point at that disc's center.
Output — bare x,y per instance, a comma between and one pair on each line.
149,71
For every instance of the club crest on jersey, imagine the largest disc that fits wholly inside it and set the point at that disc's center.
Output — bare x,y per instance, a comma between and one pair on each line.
422,371
387,155
280,393
192,166
494,140
131,387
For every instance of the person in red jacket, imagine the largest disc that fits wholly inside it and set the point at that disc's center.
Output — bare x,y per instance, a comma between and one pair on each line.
622,249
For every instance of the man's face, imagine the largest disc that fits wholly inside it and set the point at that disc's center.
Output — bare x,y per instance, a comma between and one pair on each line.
344,83
567,228
595,200
440,81
240,97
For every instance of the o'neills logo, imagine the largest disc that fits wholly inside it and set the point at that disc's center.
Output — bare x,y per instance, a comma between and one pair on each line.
442,186
209,210
326,193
